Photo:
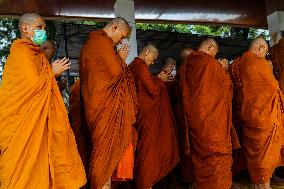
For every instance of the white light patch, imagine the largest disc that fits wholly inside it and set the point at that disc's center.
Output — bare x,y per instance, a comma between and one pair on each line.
147,16
199,16
87,14
221,17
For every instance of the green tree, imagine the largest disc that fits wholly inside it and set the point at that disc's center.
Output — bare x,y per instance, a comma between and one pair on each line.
8,33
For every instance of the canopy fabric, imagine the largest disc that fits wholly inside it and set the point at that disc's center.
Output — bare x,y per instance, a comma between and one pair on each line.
248,13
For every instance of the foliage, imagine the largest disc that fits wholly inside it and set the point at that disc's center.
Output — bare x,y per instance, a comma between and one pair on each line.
220,31
8,33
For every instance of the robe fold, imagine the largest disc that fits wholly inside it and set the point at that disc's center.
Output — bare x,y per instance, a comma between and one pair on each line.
207,98
38,148
157,148
78,124
184,141
109,101
260,103
277,57
186,165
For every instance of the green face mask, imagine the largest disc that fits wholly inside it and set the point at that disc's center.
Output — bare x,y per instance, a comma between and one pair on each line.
39,37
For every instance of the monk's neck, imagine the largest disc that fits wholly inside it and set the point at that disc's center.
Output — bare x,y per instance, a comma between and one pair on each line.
23,36
107,33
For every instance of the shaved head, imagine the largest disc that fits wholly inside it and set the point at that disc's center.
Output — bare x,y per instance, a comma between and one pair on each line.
257,41
150,47
30,22
169,61
149,54
117,30
169,65
119,22
209,46
259,47
28,18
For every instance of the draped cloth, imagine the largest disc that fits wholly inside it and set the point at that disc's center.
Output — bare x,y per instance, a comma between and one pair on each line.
38,148
260,103
109,102
78,124
186,165
277,57
157,148
207,98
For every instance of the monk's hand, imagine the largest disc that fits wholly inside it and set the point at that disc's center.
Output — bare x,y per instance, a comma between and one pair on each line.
124,51
225,63
166,77
270,64
59,66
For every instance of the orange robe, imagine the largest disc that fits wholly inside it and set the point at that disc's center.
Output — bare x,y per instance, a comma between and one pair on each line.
37,144
261,112
186,166
109,100
78,124
207,98
157,148
239,162
277,56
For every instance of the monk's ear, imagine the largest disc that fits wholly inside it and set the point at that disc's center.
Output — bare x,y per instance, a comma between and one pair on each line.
25,28
147,52
261,48
114,28
210,48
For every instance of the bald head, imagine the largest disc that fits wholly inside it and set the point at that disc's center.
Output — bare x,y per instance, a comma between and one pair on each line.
259,47
169,65
119,22
149,54
28,18
30,22
184,54
117,29
209,46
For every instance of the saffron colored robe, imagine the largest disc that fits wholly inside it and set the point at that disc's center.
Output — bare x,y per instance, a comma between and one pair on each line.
157,148
207,98
260,103
38,148
109,102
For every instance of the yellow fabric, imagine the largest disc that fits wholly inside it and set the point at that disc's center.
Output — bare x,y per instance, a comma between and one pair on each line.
38,149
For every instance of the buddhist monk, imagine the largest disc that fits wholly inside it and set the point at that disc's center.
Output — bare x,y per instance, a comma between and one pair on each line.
157,148
169,68
260,103
277,57
169,65
109,103
38,148
207,98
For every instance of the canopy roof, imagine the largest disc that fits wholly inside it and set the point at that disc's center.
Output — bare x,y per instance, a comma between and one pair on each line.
247,13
